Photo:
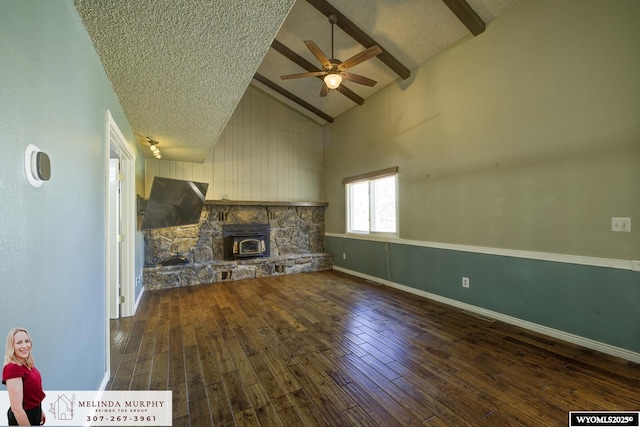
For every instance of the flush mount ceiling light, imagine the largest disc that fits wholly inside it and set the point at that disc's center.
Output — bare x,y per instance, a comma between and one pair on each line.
153,146
37,166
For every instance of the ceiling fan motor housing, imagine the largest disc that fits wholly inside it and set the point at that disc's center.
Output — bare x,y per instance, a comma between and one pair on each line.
335,64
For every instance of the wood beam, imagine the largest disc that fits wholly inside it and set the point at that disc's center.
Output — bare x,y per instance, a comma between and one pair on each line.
360,36
466,15
271,85
299,60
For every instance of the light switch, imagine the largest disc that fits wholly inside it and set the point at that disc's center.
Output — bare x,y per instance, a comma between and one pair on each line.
621,224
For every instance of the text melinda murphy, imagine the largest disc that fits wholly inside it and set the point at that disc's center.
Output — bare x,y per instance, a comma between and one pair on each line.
104,408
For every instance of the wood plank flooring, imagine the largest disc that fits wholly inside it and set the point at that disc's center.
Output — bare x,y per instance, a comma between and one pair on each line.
329,349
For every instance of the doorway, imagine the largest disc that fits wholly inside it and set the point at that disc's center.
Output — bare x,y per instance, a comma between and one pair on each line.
121,230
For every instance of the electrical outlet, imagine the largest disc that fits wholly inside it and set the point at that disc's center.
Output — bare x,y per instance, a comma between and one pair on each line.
621,224
465,282
344,255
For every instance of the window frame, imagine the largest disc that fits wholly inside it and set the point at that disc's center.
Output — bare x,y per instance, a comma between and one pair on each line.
369,178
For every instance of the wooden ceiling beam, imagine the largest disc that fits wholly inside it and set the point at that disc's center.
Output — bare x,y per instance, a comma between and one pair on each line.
271,85
360,36
466,15
299,60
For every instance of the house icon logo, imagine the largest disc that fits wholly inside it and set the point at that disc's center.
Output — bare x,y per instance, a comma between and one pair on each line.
62,407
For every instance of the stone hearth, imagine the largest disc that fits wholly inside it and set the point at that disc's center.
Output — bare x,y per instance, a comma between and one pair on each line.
297,245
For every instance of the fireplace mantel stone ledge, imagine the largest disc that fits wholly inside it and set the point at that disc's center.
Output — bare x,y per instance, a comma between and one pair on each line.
156,278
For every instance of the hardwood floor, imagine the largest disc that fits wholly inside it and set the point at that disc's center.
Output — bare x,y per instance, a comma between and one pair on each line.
331,349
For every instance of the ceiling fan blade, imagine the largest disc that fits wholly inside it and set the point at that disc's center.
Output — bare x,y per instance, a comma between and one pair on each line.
318,53
325,89
356,78
297,76
361,57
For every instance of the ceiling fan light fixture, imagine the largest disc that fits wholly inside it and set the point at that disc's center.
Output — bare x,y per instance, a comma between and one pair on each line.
333,69
333,80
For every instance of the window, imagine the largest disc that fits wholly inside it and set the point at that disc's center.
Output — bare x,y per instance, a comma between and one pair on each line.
372,202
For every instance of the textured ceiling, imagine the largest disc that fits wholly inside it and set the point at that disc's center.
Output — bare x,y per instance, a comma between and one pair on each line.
179,68
413,31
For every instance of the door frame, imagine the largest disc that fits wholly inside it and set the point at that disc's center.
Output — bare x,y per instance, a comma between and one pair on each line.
113,275
115,142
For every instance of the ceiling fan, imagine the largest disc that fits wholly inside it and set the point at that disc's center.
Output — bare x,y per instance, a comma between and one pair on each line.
333,69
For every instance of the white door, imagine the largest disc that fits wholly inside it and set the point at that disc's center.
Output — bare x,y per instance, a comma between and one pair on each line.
113,234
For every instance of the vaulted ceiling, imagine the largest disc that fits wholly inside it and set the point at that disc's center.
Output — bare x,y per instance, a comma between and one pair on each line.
179,68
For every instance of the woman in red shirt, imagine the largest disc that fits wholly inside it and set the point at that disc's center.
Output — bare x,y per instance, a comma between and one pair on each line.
23,381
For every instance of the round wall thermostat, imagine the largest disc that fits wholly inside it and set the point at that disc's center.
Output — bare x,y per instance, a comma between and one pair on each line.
37,166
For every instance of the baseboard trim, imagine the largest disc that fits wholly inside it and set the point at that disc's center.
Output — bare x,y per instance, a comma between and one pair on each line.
545,330
135,306
621,264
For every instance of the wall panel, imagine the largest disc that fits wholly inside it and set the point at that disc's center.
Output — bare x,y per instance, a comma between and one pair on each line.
589,301
267,152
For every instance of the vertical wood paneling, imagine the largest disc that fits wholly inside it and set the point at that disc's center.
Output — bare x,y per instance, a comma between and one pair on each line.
217,169
244,139
197,172
256,140
208,174
167,169
151,169
292,149
232,162
282,157
238,152
179,172
228,160
267,152
272,158
187,170
264,154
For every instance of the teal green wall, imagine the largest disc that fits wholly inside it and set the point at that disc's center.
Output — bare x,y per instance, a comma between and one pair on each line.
54,93
602,304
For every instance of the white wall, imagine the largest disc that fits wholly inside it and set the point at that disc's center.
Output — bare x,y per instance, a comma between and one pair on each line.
267,152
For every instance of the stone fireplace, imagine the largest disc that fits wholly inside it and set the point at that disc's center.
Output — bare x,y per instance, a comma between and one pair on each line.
279,238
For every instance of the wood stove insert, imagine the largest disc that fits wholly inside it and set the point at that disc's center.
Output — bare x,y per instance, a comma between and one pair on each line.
245,240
